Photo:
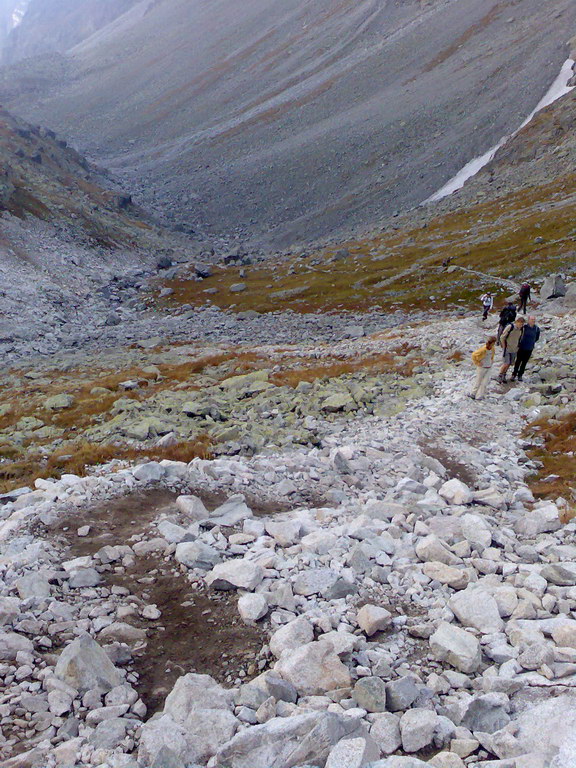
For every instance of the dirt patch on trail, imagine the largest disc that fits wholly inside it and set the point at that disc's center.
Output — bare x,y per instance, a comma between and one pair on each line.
455,468
198,630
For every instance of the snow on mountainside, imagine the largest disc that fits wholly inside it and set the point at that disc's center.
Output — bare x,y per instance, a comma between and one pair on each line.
288,121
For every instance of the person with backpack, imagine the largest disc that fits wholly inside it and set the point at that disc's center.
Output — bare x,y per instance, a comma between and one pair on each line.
507,316
526,347
483,358
487,304
524,296
510,341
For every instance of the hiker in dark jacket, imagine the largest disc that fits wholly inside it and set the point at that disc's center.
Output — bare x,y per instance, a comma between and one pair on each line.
510,341
507,316
526,346
524,296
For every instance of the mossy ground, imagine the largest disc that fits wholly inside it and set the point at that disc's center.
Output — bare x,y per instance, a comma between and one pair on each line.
27,452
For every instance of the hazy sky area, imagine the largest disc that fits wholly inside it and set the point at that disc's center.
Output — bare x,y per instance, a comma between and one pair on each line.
32,27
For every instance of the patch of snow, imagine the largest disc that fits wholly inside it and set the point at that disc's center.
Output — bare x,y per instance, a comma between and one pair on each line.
18,13
558,89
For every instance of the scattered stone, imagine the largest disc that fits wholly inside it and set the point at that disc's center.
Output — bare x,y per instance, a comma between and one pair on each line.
373,618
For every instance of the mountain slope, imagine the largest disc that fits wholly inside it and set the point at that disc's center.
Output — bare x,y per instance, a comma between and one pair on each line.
512,222
293,120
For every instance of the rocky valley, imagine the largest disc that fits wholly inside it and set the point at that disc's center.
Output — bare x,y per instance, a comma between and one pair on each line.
250,515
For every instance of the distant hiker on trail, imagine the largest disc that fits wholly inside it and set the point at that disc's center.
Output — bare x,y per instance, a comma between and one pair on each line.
524,296
526,347
487,304
510,341
483,358
507,316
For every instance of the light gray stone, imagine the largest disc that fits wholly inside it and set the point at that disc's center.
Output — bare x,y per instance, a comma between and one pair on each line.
385,731
292,635
109,734
85,666
150,472
158,734
192,507
457,647
232,512
431,548
286,532
370,694
457,578
373,618
353,753
11,643
206,730
315,581
9,610
235,574
197,554
475,607
486,713
313,669
33,585
194,692
418,728
455,492
253,607
287,741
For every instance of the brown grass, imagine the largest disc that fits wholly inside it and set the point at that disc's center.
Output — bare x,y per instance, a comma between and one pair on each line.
384,362
558,456
242,362
77,457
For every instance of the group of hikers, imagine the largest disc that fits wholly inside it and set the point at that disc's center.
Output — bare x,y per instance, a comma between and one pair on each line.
516,336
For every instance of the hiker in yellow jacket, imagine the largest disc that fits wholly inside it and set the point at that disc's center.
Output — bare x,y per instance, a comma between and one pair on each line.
483,358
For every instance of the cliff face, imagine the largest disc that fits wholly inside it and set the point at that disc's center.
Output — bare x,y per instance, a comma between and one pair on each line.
58,25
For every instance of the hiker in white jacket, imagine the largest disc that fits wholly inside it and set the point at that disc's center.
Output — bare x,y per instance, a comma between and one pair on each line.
487,304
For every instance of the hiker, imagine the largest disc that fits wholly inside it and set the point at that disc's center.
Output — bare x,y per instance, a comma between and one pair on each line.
483,358
487,304
526,347
507,316
524,296
510,341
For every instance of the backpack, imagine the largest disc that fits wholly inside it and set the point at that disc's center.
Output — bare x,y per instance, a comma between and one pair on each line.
524,290
507,315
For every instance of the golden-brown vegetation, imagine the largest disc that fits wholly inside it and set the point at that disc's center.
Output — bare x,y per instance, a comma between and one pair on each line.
77,457
557,477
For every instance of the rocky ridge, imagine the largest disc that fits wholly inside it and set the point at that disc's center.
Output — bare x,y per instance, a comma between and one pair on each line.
420,614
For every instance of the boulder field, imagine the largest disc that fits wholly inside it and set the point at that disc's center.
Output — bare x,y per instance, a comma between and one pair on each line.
420,612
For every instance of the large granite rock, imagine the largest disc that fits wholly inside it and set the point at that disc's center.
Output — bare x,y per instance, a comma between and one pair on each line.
285,742
85,666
